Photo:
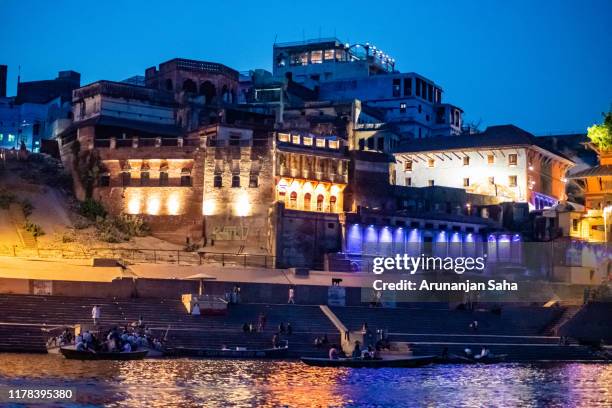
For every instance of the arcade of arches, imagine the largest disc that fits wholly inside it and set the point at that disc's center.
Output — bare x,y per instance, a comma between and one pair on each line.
305,195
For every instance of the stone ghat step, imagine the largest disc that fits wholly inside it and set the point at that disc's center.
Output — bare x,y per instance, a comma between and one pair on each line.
64,310
21,339
433,338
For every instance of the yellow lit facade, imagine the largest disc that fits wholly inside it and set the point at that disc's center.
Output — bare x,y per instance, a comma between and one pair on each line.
595,224
153,201
309,195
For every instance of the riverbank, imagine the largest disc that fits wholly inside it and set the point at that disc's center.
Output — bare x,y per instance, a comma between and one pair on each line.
517,331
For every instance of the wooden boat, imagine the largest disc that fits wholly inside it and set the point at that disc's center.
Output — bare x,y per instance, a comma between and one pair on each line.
459,359
72,353
280,352
406,362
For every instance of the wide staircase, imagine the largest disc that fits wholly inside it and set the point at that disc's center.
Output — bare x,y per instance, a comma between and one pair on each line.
21,338
168,318
518,331
518,321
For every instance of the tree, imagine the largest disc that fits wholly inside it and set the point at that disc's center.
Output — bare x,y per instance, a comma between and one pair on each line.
601,134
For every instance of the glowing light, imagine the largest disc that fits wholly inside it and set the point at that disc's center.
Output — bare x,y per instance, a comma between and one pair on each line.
307,187
173,204
282,186
335,190
531,168
153,205
209,207
133,206
242,206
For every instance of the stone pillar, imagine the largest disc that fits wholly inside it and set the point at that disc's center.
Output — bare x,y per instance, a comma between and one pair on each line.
113,143
135,142
179,142
158,142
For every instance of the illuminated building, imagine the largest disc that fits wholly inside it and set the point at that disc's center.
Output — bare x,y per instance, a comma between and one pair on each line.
311,172
341,71
39,112
504,162
594,224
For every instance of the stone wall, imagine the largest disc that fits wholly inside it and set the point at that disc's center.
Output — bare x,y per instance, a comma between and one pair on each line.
303,238
238,214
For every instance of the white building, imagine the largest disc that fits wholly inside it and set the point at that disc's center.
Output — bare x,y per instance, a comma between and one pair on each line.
503,161
341,72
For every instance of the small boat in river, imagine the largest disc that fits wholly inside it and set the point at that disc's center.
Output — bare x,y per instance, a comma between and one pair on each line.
71,353
459,359
238,352
405,362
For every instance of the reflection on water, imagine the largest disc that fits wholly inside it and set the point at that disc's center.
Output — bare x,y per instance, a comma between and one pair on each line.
246,383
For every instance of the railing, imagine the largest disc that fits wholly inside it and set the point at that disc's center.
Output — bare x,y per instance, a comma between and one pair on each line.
140,255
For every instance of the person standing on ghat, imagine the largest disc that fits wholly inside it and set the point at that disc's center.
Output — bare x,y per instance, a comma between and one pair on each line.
291,296
96,313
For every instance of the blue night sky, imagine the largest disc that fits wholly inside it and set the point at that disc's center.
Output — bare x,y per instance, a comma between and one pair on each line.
545,66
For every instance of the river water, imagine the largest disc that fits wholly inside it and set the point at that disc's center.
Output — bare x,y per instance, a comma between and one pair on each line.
247,383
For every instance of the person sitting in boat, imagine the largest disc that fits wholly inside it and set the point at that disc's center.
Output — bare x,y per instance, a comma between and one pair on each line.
333,353
318,342
80,346
365,354
196,310
468,352
87,338
157,344
357,350
275,341
484,353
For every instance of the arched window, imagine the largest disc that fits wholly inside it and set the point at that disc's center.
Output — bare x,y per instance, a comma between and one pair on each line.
217,181
208,90
225,94
235,181
332,204
293,200
189,86
320,199
126,178
169,86
307,198
163,178
144,178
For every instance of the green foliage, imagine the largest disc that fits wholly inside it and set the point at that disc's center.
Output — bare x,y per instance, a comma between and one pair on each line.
35,229
26,207
6,199
92,209
121,228
601,135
